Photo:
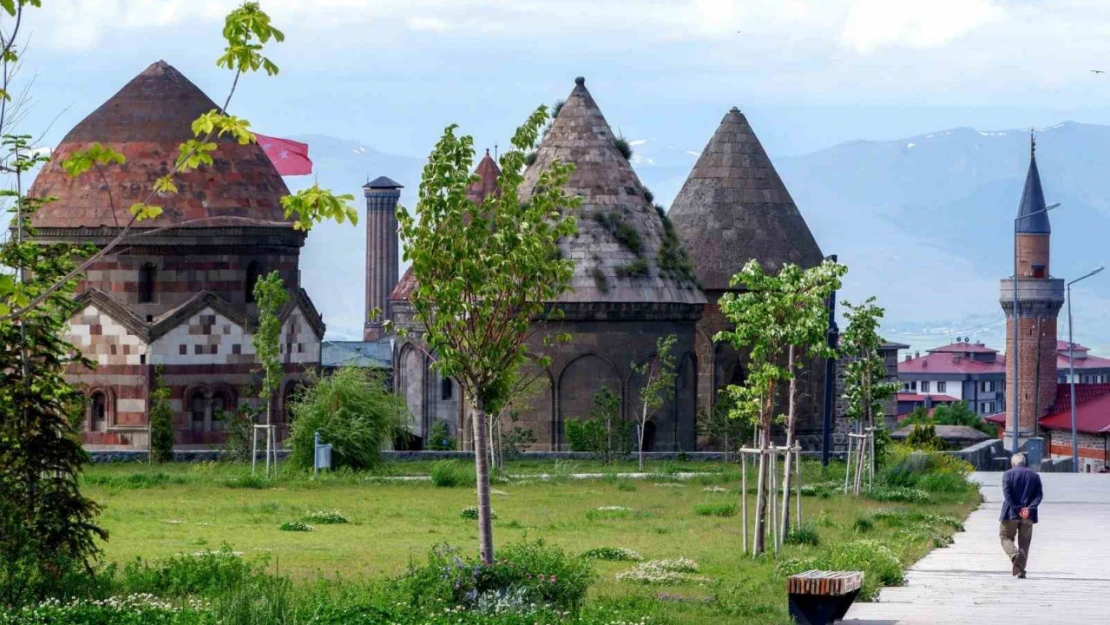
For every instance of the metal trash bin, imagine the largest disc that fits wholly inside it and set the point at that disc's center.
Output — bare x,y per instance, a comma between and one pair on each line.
323,455
1034,452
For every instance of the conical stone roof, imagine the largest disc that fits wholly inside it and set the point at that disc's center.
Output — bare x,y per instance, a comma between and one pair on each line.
487,172
734,207
146,121
617,249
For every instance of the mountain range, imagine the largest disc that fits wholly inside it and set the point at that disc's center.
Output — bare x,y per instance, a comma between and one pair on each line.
924,223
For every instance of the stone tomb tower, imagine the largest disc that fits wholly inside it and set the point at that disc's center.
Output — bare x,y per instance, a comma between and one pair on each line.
178,298
1039,299
734,208
626,291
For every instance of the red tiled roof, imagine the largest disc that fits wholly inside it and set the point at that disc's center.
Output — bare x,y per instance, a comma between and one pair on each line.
1092,409
405,286
1062,347
146,121
1090,362
999,418
918,397
963,348
946,362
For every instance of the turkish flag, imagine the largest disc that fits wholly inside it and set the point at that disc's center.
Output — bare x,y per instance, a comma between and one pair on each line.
289,157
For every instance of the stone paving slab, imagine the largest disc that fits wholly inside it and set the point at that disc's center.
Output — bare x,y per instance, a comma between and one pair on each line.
970,582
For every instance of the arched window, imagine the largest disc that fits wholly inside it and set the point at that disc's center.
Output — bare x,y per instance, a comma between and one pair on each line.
198,410
147,275
254,271
446,389
222,407
98,411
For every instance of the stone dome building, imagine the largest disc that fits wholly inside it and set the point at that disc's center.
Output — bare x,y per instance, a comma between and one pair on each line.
733,208
178,298
634,283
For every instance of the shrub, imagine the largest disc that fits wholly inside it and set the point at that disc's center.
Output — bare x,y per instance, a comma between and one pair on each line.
821,489
924,437
322,517
439,437
585,435
240,431
863,525
899,494
715,509
354,412
471,513
451,474
201,573
638,268
623,147
804,534
541,574
626,485
605,513
161,422
530,158
296,526
613,554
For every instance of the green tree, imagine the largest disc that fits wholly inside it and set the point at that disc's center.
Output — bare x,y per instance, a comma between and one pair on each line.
270,294
161,421
485,274
807,293
658,387
924,437
866,388
603,432
48,529
774,318
957,413
354,411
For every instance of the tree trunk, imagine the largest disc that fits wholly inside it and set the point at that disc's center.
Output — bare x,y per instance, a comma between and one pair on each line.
643,427
791,416
481,468
760,506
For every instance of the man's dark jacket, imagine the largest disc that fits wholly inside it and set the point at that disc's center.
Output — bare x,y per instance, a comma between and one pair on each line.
1021,486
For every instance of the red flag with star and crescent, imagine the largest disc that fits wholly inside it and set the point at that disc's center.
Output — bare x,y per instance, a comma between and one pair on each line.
289,157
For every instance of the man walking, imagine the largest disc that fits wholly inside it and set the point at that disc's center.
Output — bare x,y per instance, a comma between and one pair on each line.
1021,489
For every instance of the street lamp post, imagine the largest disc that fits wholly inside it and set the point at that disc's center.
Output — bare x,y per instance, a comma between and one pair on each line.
1071,375
1014,446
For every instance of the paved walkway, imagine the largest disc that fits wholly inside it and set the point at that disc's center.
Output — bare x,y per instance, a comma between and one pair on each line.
970,582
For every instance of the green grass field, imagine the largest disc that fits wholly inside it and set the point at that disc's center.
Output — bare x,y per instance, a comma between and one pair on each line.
161,511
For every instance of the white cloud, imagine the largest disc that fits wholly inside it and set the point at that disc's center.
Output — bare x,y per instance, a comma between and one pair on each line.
873,24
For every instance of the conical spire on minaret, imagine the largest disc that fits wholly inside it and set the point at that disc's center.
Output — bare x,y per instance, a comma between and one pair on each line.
1032,216
734,207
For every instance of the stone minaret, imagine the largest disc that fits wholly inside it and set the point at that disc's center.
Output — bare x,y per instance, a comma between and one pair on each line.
382,262
1039,298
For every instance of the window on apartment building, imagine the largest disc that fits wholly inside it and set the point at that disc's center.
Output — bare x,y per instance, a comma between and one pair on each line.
990,407
147,275
983,407
913,385
925,386
942,387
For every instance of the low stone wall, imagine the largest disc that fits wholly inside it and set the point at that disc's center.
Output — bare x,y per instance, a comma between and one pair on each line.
985,456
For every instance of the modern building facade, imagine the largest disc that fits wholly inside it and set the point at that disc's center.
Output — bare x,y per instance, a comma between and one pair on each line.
962,371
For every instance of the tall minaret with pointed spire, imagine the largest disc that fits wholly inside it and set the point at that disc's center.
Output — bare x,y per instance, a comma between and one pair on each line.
1039,299
382,262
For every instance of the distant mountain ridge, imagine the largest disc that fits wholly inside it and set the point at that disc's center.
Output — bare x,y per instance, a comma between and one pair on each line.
924,223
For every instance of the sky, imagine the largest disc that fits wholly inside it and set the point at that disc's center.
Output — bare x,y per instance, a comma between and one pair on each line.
392,74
